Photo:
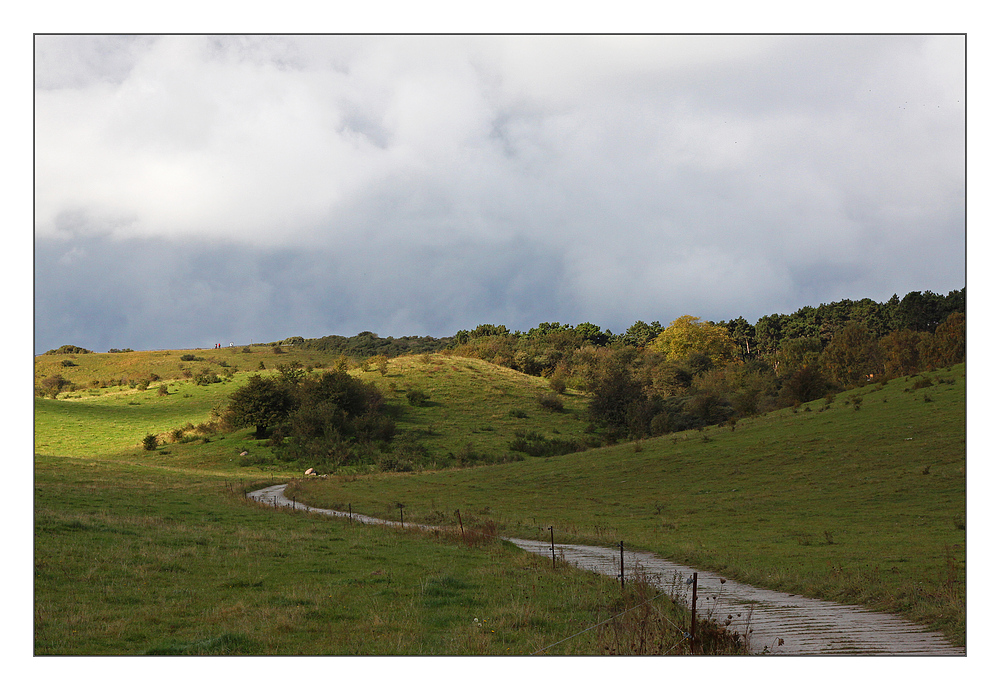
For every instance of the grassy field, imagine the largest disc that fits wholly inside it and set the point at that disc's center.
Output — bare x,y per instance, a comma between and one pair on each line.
157,552
474,404
136,559
860,499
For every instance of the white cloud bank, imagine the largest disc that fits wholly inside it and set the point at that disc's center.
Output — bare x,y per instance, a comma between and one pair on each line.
422,184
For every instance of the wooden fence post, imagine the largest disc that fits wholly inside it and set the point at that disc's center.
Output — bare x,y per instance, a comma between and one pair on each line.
552,536
694,599
621,546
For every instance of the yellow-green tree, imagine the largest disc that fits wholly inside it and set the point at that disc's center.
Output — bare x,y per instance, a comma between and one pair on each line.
690,335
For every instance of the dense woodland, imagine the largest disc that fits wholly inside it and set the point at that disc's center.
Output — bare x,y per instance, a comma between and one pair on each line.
653,379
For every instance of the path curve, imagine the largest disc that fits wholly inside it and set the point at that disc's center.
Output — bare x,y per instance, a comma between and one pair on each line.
805,626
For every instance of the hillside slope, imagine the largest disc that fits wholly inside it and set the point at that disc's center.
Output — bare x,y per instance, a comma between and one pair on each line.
859,498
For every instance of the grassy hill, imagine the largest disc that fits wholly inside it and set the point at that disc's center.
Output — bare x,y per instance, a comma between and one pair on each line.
142,552
859,498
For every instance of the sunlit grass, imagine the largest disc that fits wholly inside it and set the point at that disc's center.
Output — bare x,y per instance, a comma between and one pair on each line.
857,499
472,403
863,505
156,552
130,560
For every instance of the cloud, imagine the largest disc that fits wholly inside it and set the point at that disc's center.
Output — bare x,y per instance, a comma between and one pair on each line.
421,184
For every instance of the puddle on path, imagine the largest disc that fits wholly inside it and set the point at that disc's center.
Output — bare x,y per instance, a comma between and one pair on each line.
805,626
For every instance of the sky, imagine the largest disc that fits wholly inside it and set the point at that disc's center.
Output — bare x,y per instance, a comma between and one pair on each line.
193,189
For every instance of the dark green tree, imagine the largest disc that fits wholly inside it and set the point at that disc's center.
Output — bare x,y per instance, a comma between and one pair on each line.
804,323
955,301
769,333
263,402
921,311
619,396
592,334
641,334
744,335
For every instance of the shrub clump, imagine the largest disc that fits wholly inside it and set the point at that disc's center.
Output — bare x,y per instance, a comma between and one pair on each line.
536,445
550,401
467,457
51,386
558,382
69,350
324,421
149,442
417,397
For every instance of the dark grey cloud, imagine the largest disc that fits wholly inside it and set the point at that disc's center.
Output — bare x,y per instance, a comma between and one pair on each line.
152,293
198,189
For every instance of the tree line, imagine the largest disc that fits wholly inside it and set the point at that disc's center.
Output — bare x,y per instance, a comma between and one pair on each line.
648,381
653,379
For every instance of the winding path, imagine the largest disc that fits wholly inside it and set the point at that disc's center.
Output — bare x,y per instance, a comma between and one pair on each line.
782,623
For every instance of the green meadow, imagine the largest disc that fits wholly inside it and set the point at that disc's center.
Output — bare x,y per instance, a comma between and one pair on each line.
157,552
859,497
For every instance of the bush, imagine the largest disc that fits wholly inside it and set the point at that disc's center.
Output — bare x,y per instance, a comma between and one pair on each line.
808,383
467,457
69,350
68,363
536,445
189,358
405,455
379,362
417,397
558,383
550,401
52,385
149,442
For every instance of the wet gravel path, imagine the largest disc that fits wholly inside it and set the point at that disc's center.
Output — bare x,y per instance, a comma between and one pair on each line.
785,624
